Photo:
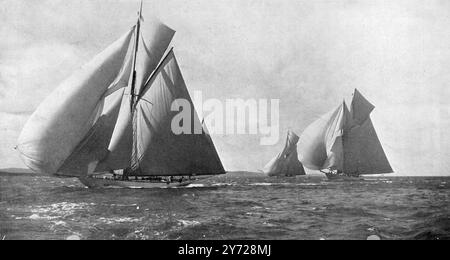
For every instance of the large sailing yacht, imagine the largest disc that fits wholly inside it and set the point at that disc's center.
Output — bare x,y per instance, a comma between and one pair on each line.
343,143
109,124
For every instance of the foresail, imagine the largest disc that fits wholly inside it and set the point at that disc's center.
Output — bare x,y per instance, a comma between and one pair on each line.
65,117
123,78
159,150
286,163
119,148
333,139
363,152
94,147
316,141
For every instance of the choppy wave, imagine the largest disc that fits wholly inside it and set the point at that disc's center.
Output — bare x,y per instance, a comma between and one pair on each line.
119,220
195,185
262,184
188,223
223,184
236,207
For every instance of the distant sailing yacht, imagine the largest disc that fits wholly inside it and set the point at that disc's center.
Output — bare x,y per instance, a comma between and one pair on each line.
286,163
109,124
343,144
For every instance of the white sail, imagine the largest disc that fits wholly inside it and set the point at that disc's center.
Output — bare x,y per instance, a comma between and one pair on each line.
317,143
159,151
94,147
286,163
153,42
119,148
333,139
65,117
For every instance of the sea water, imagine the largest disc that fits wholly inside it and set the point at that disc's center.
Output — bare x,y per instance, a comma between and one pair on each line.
234,206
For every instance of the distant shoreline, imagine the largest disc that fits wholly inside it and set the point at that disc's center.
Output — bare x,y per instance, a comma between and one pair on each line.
29,173
16,172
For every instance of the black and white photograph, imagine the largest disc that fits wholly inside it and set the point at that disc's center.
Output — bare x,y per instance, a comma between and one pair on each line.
248,120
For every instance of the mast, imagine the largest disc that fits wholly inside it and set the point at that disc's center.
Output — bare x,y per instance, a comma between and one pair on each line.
136,46
144,56
134,162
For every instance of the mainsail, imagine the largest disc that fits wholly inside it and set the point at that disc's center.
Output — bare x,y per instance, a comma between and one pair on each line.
159,150
286,163
344,141
364,153
120,100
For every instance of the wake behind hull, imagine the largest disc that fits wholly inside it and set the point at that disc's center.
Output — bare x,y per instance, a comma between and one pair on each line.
343,177
98,183
283,175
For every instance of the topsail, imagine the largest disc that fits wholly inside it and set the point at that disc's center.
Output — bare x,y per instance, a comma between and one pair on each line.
345,141
116,111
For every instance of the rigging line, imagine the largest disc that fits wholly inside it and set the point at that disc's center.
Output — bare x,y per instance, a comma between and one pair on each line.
152,76
146,100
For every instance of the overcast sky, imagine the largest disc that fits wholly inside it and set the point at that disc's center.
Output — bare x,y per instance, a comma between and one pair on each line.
309,54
